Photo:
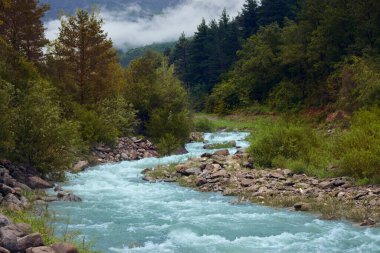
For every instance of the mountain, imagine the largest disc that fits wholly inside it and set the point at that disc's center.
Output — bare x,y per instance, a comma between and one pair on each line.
148,7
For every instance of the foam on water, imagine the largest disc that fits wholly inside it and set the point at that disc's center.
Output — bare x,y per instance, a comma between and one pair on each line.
122,213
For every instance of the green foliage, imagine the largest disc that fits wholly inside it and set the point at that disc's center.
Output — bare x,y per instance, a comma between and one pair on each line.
284,97
203,124
119,114
132,54
167,144
42,138
93,128
159,97
358,151
6,120
293,145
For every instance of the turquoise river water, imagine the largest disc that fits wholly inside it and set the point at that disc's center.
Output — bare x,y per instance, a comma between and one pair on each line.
122,213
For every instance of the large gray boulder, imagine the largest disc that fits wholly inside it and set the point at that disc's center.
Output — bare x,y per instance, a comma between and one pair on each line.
29,241
35,182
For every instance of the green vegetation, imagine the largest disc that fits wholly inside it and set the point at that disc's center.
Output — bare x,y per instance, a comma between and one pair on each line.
204,124
56,105
223,145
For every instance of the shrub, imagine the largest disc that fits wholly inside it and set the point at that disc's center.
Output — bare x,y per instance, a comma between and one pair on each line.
285,96
282,139
358,151
203,124
167,144
44,139
7,114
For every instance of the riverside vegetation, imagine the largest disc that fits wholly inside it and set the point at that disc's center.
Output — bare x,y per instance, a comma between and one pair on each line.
309,68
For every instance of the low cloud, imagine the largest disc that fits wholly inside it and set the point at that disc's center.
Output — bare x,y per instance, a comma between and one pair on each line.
132,27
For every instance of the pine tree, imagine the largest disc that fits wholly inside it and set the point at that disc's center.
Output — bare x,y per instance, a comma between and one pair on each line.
181,58
248,18
22,28
88,58
276,11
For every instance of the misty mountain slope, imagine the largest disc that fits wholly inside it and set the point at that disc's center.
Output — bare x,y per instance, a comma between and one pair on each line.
149,6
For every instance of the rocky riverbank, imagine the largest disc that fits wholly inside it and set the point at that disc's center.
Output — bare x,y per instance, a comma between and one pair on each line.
15,181
126,149
333,198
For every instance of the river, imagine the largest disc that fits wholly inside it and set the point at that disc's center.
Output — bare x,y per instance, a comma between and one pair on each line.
122,213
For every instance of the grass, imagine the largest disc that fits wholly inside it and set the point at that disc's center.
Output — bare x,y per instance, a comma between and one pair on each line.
222,145
238,122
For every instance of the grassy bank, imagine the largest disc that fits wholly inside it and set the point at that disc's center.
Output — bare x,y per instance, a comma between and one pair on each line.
322,149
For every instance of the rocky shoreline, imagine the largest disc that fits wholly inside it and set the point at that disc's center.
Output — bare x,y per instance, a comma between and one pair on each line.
234,175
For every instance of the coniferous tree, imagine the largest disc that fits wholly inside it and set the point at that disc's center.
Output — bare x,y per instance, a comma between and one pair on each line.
181,58
88,59
22,28
276,11
248,18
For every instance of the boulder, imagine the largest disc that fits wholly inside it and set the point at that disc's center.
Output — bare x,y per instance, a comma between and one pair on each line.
43,249
223,152
29,241
247,182
368,222
35,182
64,248
200,181
193,171
2,250
220,173
4,221
8,238
80,166
26,228
5,190
325,184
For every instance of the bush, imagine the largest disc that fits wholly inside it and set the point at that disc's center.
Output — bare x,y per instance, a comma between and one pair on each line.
167,144
43,139
6,119
358,151
285,96
203,124
282,139
93,128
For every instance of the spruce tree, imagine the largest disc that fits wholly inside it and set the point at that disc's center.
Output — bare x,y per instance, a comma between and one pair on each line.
247,20
22,28
181,58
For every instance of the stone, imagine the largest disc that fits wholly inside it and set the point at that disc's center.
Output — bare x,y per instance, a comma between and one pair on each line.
8,238
220,173
247,182
368,222
43,249
12,202
200,181
80,166
26,228
304,207
325,184
193,171
277,176
4,221
5,190
64,247
339,182
223,152
2,250
29,241
35,182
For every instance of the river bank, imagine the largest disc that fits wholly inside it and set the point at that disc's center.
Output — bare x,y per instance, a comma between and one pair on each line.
233,175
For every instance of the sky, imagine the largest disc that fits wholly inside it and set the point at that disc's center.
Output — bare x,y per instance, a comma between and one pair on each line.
164,27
